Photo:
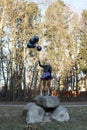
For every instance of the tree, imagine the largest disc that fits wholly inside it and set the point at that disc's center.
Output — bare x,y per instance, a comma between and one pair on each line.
83,46
62,30
22,20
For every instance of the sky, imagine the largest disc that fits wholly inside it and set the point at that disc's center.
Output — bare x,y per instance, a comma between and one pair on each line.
75,5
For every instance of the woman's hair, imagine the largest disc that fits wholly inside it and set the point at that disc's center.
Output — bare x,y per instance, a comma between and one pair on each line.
48,62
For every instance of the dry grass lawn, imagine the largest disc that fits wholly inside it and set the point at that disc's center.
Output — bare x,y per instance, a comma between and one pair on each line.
11,118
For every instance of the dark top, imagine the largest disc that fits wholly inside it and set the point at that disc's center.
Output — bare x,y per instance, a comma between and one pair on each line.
47,68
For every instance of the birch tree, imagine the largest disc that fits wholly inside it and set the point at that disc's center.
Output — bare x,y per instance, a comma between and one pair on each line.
62,30
22,20
82,57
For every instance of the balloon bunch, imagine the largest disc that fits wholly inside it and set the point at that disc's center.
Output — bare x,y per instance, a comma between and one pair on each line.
32,43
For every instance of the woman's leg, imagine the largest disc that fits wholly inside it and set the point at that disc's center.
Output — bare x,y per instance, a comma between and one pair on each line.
41,87
45,86
48,86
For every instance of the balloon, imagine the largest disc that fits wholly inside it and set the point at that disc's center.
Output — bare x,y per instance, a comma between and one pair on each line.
39,48
34,39
29,45
34,45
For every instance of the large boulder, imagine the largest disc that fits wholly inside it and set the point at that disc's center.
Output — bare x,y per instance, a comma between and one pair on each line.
27,107
47,101
60,114
35,114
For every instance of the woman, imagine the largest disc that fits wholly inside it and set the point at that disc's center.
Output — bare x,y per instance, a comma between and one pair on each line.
46,76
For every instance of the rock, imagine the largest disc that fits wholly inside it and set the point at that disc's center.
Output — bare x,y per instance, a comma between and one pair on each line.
27,107
35,114
45,109
47,101
39,100
60,114
47,117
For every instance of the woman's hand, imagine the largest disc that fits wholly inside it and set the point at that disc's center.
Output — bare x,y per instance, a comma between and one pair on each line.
38,59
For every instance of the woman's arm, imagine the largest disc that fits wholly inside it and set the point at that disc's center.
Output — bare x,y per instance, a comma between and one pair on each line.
40,64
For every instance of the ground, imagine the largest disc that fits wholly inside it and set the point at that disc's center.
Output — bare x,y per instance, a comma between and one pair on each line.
11,118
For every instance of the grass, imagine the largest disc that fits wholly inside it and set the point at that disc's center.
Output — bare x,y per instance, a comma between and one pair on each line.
11,118
78,121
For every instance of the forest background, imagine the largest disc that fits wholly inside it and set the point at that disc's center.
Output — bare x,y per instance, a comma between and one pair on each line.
62,35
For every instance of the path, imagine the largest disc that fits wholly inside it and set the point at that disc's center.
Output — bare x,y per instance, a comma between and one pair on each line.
70,104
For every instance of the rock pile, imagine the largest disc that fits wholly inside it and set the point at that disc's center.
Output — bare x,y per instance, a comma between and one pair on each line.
45,109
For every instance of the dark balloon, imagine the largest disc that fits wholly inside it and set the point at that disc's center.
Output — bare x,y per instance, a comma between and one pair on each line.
39,48
29,45
34,45
34,39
